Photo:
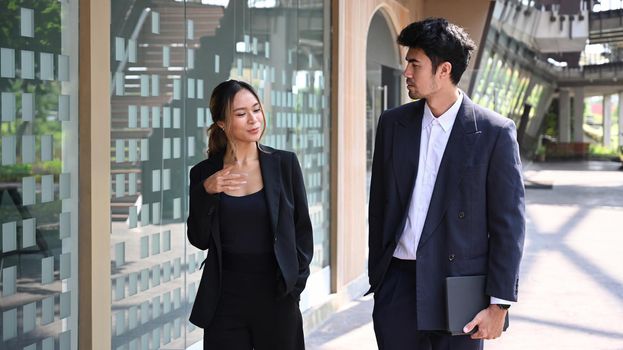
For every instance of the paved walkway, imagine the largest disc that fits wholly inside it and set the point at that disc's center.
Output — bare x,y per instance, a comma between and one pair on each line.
571,286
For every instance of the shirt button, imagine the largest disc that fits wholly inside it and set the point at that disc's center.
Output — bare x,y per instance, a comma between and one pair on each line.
275,239
461,215
451,257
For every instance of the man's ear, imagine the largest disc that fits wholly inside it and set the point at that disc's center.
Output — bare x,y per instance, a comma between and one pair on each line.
445,69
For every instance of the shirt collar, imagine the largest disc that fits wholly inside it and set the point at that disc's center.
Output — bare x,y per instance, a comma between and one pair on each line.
446,120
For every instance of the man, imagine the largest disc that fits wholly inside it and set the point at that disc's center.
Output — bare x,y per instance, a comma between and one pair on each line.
446,199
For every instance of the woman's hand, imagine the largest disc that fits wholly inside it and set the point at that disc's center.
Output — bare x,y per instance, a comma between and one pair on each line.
224,180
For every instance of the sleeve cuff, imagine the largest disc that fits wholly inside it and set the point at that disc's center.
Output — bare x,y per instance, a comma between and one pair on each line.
495,300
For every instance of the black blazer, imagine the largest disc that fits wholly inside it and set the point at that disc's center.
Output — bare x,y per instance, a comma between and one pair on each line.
475,223
289,218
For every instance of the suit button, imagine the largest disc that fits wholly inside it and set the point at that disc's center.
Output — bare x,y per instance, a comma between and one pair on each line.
451,257
461,215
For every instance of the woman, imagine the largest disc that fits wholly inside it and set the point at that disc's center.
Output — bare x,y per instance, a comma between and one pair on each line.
248,207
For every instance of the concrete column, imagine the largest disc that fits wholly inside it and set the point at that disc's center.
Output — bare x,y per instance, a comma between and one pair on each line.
621,118
578,115
607,104
564,116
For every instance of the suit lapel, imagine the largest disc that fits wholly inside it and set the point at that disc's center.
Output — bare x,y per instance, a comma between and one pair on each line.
271,175
463,135
406,151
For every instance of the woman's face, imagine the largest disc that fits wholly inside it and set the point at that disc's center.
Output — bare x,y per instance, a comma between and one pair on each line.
246,122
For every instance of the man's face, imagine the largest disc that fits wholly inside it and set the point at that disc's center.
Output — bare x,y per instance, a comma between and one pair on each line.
421,81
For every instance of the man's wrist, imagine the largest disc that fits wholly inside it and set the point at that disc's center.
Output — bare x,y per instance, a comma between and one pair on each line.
503,306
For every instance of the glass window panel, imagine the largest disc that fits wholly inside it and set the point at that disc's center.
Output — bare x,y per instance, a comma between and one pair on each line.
155,22
155,276
65,224
120,322
132,317
132,217
28,64
166,179
144,117
177,147
9,277
63,107
47,188
65,305
28,102
166,56
166,117
145,215
155,85
8,150
144,85
119,254
46,66
191,88
64,340
200,88
28,190
132,48
28,149
7,63
119,48
133,283
29,317
9,324
65,267
65,186
46,148
27,20
145,312
155,217
8,106
119,151
177,117
47,270
144,280
47,344
47,310
177,89
190,59
63,68
28,232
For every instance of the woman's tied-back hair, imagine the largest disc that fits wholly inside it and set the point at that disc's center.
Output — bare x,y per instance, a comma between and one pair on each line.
442,42
220,107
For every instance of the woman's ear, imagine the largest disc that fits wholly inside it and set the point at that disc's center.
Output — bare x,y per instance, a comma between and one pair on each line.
221,124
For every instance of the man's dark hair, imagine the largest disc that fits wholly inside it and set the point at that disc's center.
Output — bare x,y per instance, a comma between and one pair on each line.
442,42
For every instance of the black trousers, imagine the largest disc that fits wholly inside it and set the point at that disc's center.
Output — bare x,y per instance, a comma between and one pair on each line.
251,315
395,315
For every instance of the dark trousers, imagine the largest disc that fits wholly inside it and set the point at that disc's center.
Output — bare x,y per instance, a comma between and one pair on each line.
395,315
250,315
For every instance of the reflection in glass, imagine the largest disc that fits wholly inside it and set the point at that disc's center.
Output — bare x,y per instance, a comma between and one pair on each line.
166,57
38,205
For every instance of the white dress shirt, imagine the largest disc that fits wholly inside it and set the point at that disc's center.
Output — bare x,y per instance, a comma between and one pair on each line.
433,142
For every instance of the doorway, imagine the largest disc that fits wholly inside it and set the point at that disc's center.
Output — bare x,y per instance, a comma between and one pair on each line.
383,80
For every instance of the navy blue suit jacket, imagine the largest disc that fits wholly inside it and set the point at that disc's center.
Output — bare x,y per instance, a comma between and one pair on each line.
475,223
290,223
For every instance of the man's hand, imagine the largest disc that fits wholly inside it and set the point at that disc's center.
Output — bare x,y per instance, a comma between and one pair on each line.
490,322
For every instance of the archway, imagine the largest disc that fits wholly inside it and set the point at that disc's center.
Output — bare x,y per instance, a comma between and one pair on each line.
383,79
